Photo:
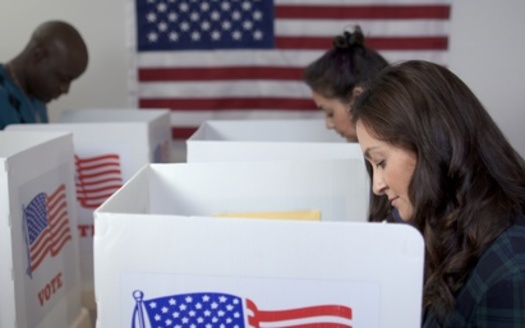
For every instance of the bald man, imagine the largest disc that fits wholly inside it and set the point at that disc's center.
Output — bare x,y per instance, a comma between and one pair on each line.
54,56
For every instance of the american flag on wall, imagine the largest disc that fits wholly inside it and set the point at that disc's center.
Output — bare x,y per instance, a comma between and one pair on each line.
242,59
47,226
228,311
97,178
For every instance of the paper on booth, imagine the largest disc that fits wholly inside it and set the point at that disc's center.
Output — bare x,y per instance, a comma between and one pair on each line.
304,215
158,249
39,271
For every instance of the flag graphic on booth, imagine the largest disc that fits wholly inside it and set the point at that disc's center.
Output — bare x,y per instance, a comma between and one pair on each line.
97,178
244,59
47,229
223,310
161,152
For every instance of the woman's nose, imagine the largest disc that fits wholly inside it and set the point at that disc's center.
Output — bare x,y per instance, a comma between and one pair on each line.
329,123
378,184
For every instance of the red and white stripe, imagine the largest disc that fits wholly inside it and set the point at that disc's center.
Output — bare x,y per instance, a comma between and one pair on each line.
242,84
97,178
329,316
54,237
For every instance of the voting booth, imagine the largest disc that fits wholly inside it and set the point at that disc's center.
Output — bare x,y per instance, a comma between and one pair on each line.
254,140
151,126
158,120
107,154
39,271
164,258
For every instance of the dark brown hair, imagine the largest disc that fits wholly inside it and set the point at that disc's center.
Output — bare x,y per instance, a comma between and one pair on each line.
349,63
335,75
469,183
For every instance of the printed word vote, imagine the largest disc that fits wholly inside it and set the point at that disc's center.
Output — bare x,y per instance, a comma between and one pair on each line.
50,289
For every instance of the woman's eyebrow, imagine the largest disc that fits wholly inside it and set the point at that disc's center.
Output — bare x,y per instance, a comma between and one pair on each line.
368,151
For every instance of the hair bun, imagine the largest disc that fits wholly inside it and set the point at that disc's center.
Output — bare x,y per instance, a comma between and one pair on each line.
349,40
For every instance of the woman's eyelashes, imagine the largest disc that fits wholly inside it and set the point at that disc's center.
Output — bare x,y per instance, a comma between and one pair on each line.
328,113
377,164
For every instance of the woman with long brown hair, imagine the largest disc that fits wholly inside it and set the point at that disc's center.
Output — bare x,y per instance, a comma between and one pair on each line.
442,162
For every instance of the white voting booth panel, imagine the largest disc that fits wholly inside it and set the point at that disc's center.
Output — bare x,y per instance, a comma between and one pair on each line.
330,186
154,124
107,154
39,271
162,260
252,140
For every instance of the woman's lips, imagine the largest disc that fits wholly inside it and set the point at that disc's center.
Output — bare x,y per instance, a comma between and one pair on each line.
393,200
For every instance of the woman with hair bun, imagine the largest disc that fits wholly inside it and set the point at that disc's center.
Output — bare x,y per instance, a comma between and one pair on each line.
335,79
338,76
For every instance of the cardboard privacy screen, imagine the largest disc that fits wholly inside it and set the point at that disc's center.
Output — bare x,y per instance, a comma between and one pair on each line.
39,271
254,140
162,260
152,127
110,146
107,154
208,189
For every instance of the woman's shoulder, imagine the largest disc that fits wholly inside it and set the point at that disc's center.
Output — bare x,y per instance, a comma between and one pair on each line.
496,286
505,256
516,232
509,248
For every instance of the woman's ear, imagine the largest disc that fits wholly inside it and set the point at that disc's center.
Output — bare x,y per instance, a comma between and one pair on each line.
357,91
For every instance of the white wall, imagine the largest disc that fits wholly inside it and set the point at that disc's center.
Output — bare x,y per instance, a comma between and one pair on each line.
102,24
486,50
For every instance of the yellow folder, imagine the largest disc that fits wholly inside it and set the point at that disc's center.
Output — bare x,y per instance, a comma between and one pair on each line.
304,215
